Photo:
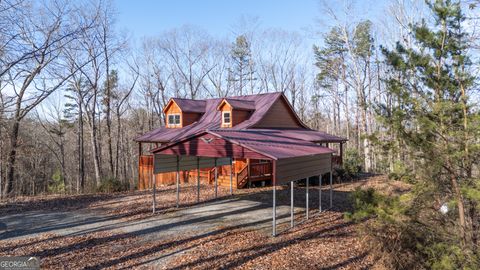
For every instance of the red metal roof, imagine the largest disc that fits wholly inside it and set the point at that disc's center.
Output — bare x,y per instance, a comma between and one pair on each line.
302,134
190,105
239,104
270,144
210,120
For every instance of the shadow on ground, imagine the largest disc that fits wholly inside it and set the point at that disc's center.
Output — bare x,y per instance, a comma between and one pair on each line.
164,237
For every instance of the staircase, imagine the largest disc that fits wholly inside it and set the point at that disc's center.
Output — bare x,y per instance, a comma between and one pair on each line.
253,173
222,180
250,173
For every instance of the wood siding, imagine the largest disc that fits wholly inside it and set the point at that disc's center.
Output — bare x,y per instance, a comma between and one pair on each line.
291,169
225,107
279,116
173,108
237,116
211,146
186,118
189,118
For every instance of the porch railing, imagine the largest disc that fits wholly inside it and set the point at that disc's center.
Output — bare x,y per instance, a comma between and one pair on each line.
260,169
242,177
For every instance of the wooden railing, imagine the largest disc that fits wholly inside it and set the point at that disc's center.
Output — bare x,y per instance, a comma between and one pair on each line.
242,177
260,169
211,175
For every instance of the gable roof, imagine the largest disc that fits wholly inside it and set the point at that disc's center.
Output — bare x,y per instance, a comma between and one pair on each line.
238,104
187,105
210,120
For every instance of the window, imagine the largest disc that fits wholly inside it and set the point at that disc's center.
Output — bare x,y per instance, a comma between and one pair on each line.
226,118
173,119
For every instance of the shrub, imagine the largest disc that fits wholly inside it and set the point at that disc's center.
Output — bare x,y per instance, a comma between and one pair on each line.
339,173
352,163
364,203
399,236
113,185
56,185
401,172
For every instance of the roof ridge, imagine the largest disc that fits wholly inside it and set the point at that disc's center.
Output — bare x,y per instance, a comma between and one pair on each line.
189,99
237,99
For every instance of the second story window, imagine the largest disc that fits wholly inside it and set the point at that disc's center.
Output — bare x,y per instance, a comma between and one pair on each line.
173,119
226,118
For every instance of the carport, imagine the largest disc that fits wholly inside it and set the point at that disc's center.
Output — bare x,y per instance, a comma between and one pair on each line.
292,159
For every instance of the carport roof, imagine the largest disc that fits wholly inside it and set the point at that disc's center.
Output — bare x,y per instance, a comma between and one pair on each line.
271,143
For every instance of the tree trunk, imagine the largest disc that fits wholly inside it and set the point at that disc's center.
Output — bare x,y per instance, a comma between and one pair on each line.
9,185
461,209
96,158
119,141
81,149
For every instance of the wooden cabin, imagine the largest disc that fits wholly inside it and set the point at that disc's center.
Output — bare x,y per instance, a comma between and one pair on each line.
251,131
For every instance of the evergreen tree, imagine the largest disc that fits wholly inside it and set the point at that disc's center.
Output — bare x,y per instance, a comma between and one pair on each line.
76,92
436,225
110,94
243,68
330,61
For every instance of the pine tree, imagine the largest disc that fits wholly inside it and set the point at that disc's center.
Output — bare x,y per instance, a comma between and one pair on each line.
76,91
434,117
331,64
110,94
243,68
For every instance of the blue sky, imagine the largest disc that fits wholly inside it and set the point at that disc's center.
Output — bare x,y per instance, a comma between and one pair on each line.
151,17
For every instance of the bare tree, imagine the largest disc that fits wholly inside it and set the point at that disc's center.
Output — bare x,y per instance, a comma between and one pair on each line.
187,48
45,30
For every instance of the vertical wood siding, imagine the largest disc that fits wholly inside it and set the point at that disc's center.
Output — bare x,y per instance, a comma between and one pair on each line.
279,116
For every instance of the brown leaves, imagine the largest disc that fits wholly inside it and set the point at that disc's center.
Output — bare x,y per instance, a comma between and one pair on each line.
325,241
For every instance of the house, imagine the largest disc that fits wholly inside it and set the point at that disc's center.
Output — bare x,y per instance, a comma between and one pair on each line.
237,142
264,124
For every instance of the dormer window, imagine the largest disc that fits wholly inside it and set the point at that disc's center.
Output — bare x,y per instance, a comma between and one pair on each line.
180,112
174,119
226,118
235,111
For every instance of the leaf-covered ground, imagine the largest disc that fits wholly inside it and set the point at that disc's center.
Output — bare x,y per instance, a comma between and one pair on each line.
325,241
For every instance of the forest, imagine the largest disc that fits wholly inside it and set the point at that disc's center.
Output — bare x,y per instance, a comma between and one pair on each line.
75,90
